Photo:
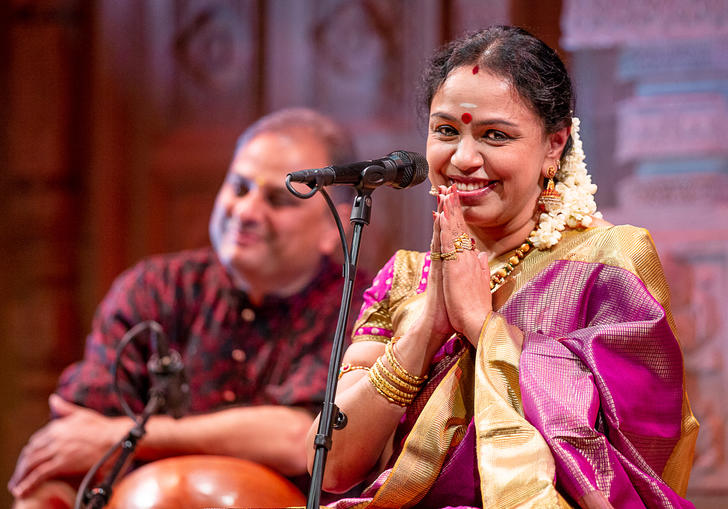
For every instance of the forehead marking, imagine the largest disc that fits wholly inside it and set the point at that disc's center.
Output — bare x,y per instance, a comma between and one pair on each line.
476,69
468,105
467,117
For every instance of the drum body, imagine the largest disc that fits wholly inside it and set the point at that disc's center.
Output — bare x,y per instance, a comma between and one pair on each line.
194,482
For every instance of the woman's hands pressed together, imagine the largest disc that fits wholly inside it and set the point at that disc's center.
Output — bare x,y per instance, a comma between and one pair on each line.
459,286
457,300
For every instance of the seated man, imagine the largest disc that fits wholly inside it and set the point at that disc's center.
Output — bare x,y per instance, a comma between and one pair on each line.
253,318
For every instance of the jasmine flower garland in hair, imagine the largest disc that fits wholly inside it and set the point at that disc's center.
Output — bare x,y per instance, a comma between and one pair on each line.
577,192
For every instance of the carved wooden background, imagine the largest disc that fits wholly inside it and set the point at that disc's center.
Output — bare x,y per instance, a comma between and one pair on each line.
653,83
120,118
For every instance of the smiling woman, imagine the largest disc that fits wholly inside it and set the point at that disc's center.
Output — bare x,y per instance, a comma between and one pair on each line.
494,161
510,365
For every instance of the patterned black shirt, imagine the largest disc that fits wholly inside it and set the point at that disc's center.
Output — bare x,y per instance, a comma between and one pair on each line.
234,353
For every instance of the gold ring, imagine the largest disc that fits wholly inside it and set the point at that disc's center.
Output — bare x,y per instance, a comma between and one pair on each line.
464,241
451,255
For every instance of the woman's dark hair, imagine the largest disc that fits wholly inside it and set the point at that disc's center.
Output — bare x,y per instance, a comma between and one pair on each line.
533,68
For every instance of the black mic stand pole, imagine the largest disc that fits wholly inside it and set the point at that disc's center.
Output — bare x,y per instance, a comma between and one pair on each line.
99,496
164,370
331,417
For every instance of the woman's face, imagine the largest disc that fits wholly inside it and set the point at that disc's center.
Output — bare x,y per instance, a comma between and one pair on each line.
484,138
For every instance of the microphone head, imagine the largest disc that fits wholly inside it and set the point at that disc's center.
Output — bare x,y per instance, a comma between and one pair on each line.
415,168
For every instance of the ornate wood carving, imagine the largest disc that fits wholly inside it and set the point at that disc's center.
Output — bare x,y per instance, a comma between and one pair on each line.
699,283
672,126
359,48
679,190
217,74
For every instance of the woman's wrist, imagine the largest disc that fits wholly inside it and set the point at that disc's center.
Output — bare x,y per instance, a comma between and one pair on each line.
416,349
474,326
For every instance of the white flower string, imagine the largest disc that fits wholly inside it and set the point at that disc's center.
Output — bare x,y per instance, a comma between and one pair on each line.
577,192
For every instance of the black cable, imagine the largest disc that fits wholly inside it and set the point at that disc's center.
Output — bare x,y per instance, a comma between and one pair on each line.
298,194
125,340
137,431
342,235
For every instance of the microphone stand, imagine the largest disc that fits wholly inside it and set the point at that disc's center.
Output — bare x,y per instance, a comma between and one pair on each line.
99,496
164,369
331,417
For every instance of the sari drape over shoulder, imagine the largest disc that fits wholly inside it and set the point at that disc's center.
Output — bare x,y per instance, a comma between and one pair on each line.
576,385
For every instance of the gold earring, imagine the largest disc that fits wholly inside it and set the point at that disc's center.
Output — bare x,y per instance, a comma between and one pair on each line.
550,199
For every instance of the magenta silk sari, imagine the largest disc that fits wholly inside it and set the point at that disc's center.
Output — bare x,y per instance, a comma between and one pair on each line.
599,377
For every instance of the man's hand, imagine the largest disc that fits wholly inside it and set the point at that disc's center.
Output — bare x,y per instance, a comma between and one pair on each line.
67,446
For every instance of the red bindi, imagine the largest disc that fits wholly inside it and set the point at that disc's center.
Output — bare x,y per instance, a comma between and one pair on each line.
467,117
476,69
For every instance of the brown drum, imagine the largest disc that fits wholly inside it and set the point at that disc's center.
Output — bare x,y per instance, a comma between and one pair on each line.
194,482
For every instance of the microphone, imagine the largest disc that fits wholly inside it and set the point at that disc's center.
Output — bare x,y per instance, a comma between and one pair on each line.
400,169
168,375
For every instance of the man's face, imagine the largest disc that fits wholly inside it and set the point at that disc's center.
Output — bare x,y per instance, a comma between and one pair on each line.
261,232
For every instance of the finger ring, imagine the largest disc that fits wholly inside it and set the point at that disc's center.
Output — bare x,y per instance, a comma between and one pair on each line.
451,255
464,241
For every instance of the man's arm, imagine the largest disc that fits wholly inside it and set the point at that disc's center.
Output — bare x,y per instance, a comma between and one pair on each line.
71,444
271,435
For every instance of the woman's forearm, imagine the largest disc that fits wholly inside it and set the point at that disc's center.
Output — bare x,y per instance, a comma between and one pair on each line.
357,448
372,419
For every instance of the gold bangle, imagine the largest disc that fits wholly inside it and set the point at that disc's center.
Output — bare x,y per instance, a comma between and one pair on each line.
398,368
389,397
387,390
398,381
348,368
405,390
380,374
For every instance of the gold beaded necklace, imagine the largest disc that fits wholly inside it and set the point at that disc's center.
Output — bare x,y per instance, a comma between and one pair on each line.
497,277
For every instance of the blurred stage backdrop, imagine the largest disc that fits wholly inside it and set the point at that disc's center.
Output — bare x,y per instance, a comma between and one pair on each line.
119,120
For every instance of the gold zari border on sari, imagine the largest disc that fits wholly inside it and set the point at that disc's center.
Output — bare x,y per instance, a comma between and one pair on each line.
632,249
442,423
515,464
